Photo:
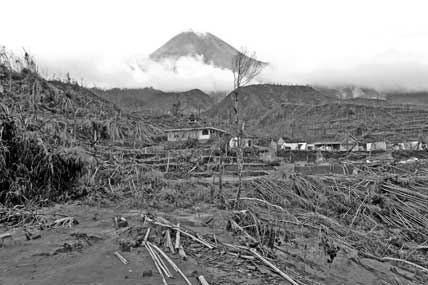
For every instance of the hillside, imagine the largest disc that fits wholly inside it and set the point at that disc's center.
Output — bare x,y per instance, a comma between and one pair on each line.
408,97
393,97
257,100
369,120
213,49
303,113
350,92
156,101
68,114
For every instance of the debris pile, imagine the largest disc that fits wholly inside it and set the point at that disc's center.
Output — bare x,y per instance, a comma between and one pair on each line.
157,233
383,217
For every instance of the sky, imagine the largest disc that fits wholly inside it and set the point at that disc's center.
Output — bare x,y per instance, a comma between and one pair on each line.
378,43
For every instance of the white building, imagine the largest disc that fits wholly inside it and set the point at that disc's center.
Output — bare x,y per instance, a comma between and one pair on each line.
328,146
245,142
202,134
376,146
294,146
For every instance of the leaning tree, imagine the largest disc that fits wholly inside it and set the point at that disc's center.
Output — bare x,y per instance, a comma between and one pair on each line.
245,67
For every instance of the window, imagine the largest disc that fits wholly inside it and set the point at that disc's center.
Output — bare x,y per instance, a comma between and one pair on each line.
205,132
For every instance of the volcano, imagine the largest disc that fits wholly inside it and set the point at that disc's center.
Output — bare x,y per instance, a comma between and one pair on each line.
212,49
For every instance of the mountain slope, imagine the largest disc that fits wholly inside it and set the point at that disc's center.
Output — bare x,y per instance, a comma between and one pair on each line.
214,50
68,114
369,120
394,97
149,99
408,97
350,92
257,100
303,113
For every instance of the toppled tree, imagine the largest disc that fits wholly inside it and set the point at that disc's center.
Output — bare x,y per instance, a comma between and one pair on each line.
245,68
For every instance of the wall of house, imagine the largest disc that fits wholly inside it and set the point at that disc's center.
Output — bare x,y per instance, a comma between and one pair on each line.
328,146
204,135
185,135
376,146
290,146
245,142
201,135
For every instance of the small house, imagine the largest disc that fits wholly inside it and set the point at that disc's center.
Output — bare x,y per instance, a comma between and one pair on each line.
376,146
289,146
202,134
328,146
395,146
303,146
353,146
245,142
293,146
412,145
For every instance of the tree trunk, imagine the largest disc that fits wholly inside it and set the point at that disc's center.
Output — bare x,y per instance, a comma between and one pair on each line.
240,167
220,173
239,154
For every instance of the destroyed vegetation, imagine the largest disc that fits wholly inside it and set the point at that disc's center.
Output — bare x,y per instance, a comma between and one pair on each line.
33,171
175,197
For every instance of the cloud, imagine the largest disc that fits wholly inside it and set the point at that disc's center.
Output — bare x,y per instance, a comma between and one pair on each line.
392,70
388,71
102,71
180,74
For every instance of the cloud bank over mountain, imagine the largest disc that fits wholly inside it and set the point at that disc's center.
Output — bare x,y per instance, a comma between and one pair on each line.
382,44
383,73
201,60
181,74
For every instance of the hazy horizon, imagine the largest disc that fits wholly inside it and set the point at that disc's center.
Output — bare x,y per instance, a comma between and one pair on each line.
377,44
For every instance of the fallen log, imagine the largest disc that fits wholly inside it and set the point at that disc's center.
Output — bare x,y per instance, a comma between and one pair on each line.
5,236
168,241
121,258
156,263
160,262
177,238
170,226
384,259
202,280
174,266
262,201
274,268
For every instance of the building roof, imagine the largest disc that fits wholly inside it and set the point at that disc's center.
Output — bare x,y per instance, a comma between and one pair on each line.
195,129
245,138
327,143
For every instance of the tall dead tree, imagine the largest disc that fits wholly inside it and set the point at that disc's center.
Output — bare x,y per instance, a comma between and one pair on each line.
245,68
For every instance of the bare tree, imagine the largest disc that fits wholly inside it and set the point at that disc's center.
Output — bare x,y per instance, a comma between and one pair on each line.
245,68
